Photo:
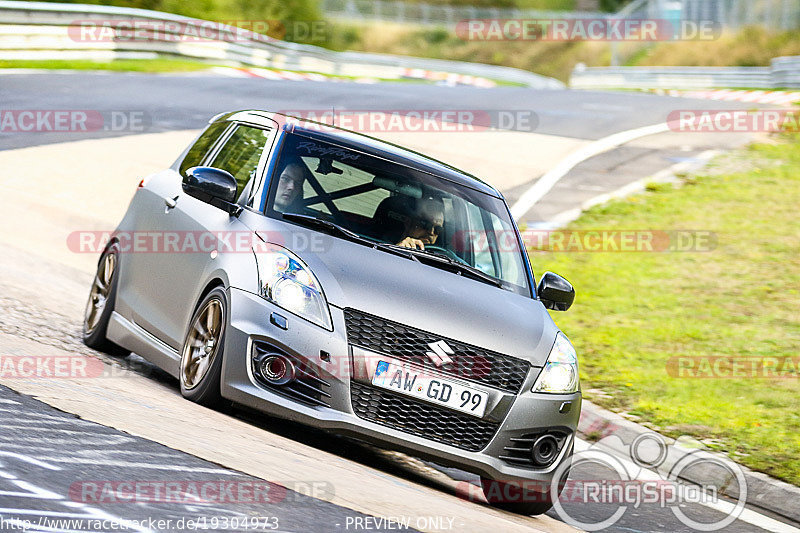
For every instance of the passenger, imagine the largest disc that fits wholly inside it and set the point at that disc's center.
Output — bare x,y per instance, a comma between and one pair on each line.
424,226
288,197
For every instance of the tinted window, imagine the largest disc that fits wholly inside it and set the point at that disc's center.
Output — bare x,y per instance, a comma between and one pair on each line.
361,202
241,154
394,204
203,144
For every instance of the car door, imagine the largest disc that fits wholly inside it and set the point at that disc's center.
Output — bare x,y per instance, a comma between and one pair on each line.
190,228
142,275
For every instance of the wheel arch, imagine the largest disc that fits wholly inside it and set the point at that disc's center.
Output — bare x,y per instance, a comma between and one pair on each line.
212,284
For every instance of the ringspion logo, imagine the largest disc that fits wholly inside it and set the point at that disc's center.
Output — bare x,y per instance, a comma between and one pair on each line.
648,474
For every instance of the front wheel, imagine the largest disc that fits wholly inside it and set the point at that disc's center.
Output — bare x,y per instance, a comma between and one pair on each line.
100,305
516,497
201,356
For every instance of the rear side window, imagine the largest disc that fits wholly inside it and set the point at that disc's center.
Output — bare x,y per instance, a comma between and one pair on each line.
241,154
201,146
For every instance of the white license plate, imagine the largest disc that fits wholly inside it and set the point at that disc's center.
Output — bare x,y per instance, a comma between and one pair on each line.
430,389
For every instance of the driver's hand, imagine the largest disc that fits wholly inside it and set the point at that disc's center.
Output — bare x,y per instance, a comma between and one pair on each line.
410,242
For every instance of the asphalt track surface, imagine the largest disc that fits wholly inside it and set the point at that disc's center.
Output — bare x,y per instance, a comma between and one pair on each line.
187,101
44,452
54,467
179,102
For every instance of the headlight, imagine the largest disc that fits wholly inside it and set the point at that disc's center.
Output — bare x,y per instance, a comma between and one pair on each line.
288,282
560,374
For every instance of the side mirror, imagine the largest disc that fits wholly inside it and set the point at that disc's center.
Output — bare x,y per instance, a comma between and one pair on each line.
555,292
212,185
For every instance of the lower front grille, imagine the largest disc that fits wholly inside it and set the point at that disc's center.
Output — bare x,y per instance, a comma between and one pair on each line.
421,419
519,451
307,387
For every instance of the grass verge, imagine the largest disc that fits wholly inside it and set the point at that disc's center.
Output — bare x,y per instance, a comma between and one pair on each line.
636,312
133,65
177,65
752,46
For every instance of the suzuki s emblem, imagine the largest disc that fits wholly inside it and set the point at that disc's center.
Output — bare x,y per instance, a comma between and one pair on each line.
441,353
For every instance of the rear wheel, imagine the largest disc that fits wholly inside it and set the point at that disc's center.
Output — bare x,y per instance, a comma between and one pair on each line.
100,305
201,356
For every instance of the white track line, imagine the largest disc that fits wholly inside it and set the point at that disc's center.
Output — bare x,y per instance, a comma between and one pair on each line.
565,217
549,179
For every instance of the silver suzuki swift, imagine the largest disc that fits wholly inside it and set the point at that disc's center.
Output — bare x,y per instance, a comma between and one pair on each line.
346,283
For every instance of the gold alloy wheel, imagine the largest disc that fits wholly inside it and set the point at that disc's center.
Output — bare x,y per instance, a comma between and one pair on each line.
98,296
202,343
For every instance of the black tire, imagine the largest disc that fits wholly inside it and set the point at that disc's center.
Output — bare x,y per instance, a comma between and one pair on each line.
515,498
205,389
96,316
526,500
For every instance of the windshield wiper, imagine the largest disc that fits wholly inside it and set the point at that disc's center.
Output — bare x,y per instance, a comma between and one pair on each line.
409,253
333,228
469,271
439,259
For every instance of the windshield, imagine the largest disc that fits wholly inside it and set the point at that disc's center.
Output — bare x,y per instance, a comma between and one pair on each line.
392,204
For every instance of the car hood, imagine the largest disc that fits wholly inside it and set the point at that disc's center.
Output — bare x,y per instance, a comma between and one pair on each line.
421,296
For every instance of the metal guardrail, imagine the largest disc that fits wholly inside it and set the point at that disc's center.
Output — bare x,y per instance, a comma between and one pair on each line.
424,14
733,14
41,30
784,72
730,14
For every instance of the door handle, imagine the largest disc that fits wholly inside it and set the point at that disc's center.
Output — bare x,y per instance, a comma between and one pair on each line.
171,202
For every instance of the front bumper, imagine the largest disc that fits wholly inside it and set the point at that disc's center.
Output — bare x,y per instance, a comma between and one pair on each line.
517,415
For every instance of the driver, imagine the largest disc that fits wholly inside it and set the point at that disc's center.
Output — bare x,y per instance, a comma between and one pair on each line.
289,194
424,225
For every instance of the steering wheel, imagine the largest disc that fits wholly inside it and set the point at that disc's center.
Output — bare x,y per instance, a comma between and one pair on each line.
445,251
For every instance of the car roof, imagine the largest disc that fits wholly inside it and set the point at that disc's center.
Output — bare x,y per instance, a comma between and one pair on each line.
362,143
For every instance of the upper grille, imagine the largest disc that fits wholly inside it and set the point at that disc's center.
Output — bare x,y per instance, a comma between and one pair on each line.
469,362
420,418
